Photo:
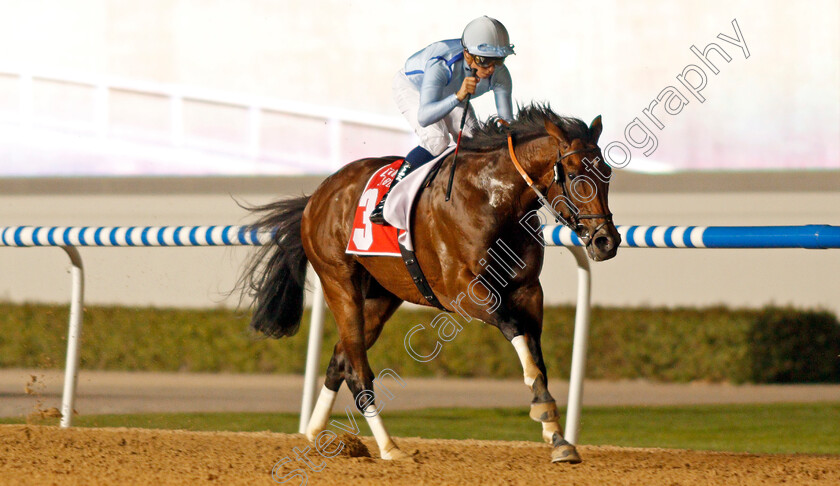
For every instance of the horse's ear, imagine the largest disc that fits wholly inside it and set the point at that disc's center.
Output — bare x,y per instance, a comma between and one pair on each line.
595,128
557,133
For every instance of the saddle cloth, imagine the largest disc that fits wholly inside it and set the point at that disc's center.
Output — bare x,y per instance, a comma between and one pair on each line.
367,238
371,239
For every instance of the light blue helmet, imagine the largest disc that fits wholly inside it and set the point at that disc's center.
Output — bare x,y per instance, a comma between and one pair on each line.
486,37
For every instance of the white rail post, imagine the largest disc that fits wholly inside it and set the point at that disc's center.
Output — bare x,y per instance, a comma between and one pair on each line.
581,340
313,355
74,335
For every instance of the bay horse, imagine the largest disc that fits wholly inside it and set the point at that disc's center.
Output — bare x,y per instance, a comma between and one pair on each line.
502,174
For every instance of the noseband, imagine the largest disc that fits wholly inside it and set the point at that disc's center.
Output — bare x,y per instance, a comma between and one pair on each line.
574,220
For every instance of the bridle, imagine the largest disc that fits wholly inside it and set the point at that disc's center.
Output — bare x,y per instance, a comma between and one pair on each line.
574,220
560,173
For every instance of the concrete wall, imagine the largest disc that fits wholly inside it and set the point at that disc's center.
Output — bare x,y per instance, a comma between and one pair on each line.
201,277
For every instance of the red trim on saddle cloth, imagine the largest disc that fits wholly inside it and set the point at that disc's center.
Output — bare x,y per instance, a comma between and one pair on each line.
371,239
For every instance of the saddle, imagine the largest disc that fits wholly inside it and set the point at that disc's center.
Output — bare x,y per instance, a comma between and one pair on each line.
367,239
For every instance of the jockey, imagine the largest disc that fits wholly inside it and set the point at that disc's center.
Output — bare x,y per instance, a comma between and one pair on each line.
435,80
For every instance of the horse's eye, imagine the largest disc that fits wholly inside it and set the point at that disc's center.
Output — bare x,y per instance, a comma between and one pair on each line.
572,176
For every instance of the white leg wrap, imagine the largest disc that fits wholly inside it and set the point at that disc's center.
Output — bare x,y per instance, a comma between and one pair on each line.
529,366
387,448
321,413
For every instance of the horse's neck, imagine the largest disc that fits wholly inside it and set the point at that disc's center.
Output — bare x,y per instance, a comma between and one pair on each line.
510,199
535,156
503,174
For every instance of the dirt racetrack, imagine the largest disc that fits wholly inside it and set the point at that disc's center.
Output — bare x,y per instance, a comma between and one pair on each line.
50,455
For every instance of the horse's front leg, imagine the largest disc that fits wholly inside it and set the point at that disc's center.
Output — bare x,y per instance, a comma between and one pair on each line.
518,315
543,406
520,321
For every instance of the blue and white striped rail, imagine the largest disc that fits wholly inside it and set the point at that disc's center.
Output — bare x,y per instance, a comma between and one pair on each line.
814,236
71,237
23,236
808,236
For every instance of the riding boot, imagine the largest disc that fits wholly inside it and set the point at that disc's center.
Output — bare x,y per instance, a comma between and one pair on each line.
417,157
377,216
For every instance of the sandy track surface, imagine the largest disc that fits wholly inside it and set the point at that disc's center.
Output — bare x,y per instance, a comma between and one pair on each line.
50,455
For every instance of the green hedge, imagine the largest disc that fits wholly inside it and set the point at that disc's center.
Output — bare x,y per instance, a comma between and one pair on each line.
789,346
713,344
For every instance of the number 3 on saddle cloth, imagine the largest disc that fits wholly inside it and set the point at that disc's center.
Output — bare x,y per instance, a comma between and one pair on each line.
371,239
368,239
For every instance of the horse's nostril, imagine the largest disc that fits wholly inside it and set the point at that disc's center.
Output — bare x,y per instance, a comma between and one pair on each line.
603,243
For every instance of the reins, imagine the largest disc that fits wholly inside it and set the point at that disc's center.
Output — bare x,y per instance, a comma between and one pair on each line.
575,224
530,183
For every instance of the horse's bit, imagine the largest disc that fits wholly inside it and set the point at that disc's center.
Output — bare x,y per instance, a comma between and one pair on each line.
574,220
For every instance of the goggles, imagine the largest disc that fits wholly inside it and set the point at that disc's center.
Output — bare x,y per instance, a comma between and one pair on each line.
486,61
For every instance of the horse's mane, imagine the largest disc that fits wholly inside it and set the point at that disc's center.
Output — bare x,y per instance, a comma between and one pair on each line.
529,123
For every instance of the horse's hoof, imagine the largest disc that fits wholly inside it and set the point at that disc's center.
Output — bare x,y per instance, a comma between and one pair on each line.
395,455
563,451
567,454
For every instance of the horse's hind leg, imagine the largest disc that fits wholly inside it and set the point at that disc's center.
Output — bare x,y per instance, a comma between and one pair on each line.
376,312
359,323
326,399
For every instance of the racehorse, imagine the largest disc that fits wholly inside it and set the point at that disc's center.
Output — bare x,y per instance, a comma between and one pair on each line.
504,175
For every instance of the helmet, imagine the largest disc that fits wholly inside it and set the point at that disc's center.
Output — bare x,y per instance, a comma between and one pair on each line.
486,37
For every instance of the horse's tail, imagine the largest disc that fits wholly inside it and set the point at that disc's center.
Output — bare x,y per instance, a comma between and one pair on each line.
274,277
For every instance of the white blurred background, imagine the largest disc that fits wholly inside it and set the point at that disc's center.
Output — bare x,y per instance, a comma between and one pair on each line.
167,87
